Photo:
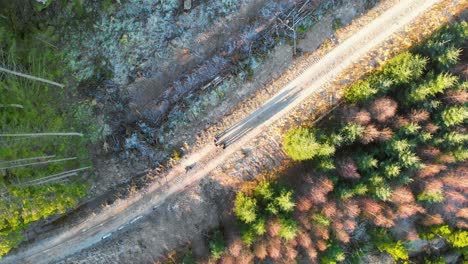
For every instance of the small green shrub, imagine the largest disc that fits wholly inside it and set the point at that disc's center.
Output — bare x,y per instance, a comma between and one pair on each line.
217,245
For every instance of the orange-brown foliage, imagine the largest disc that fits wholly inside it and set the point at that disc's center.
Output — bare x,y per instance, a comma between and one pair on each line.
430,220
407,210
351,208
463,213
329,209
321,231
385,134
290,253
370,134
260,250
227,259
303,239
402,195
350,225
321,245
456,96
430,170
235,247
304,204
383,108
418,116
429,153
346,168
273,227
274,248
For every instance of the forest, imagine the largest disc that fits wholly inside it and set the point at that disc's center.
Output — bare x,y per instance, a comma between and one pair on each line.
384,172
44,129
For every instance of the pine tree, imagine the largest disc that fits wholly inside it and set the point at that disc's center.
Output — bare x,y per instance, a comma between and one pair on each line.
300,144
430,87
404,68
245,208
359,92
288,228
454,115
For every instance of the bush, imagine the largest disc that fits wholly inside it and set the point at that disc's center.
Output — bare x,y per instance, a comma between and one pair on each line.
217,245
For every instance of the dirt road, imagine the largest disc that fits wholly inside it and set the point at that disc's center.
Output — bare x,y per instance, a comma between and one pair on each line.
196,165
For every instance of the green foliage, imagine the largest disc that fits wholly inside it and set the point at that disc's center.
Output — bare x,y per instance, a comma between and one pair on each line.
456,238
9,240
432,197
248,235
443,46
285,200
366,162
454,115
391,170
404,68
85,122
454,138
431,87
28,46
321,220
301,144
264,190
245,208
396,250
217,245
460,153
41,5
325,164
359,92
333,254
337,24
383,192
385,243
189,258
268,199
351,132
259,226
288,228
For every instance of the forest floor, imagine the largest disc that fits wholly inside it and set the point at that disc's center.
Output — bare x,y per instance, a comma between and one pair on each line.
187,216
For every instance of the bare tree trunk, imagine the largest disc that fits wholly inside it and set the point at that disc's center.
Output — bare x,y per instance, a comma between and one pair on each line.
57,175
31,77
27,159
54,179
36,163
41,134
11,105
